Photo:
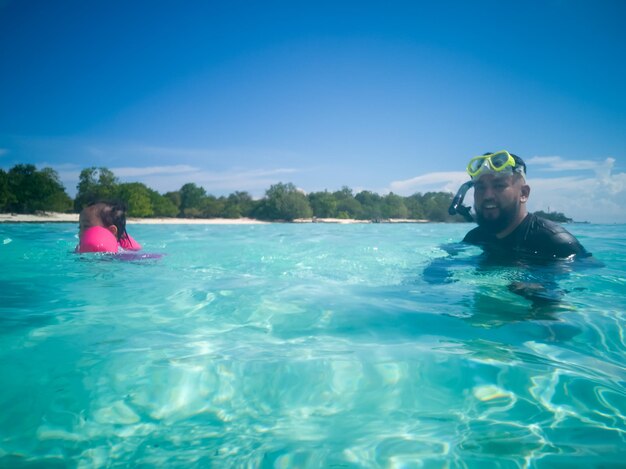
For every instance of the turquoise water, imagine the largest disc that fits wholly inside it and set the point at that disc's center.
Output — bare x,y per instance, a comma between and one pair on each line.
318,345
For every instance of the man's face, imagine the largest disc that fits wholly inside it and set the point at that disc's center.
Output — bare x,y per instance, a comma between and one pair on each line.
497,200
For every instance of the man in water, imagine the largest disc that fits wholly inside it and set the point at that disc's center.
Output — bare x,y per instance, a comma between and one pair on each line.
504,224
508,234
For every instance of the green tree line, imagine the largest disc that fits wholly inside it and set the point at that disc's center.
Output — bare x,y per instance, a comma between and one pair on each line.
554,216
24,189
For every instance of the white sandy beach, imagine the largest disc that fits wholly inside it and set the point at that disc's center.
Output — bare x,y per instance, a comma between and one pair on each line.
41,218
73,218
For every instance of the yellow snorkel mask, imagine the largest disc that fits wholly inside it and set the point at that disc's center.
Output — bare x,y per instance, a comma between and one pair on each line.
500,162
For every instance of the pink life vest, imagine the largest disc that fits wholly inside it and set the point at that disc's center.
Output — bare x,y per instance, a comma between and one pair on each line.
99,239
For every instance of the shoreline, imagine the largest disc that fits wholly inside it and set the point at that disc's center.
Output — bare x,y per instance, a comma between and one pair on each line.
53,217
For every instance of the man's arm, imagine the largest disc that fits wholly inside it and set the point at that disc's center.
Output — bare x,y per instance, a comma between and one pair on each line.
438,271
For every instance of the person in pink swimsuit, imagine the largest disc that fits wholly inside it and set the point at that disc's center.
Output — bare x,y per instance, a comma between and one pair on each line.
102,228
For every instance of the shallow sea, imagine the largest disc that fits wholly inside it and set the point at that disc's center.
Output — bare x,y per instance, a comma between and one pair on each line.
286,345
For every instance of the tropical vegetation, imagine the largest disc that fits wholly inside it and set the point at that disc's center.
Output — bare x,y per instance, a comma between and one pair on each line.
25,189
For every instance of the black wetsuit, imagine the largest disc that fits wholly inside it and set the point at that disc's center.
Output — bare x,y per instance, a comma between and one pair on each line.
534,238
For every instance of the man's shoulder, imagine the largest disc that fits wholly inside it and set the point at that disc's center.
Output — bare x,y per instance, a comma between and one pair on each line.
555,237
474,236
549,228
546,225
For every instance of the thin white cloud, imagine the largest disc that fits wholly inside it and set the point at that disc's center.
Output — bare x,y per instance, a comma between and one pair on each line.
152,170
216,182
171,178
196,155
147,150
440,181
96,151
175,152
557,163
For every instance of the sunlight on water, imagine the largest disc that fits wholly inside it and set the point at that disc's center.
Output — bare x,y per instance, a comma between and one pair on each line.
304,346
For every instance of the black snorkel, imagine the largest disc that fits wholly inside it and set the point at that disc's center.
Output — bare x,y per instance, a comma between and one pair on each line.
457,207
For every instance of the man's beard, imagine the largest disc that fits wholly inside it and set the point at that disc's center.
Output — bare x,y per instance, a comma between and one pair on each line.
496,225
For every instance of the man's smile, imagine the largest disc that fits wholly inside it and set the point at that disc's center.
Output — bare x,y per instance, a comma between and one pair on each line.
489,207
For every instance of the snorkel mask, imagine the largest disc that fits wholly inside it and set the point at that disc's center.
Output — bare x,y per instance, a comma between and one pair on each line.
499,163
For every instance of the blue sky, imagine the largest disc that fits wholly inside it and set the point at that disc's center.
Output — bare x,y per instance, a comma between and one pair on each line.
383,96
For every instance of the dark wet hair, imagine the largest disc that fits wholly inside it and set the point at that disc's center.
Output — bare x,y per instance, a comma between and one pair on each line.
519,162
112,212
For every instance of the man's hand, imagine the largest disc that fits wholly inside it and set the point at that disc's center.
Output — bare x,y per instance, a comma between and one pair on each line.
536,292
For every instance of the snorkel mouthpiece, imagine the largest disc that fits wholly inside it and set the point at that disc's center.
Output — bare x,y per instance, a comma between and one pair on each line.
457,207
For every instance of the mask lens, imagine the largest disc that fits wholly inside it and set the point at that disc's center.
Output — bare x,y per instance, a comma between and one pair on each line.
475,164
499,160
